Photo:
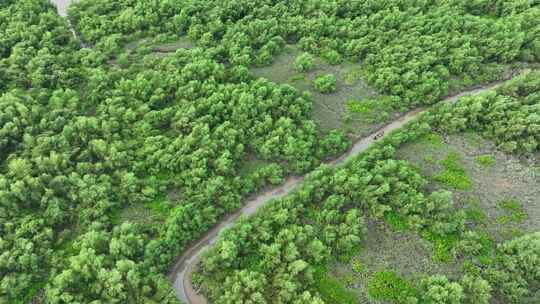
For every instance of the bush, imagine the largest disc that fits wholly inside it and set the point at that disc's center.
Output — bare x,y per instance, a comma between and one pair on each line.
517,267
438,290
477,290
304,62
325,83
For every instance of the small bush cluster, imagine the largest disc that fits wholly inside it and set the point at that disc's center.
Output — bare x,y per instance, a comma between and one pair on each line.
325,83
304,63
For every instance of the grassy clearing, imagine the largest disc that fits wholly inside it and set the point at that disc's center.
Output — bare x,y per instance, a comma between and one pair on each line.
353,107
170,47
134,51
250,165
154,212
499,192
391,246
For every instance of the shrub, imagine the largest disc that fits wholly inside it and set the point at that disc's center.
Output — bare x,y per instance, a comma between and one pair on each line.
304,62
476,289
438,290
325,83
475,244
517,267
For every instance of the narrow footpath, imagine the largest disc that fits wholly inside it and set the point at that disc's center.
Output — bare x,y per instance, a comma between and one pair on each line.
181,273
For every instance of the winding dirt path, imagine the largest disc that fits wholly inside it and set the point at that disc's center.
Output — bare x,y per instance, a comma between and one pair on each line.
62,8
181,273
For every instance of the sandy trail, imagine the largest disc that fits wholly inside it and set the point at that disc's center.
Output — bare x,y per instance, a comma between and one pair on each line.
182,271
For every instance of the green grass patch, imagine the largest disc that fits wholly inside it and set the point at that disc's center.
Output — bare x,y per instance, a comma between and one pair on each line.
357,266
473,138
297,77
347,256
375,110
475,213
485,160
514,212
396,221
453,174
160,206
509,232
443,246
430,159
331,289
389,286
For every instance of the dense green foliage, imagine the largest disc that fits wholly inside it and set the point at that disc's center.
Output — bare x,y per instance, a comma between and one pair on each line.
325,83
320,220
510,116
517,267
82,140
410,49
87,132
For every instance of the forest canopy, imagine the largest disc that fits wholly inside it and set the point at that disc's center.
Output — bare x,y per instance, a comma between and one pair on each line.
94,123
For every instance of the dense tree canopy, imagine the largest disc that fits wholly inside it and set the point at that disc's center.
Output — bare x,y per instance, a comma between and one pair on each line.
510,116
82,139
410,49
88,132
